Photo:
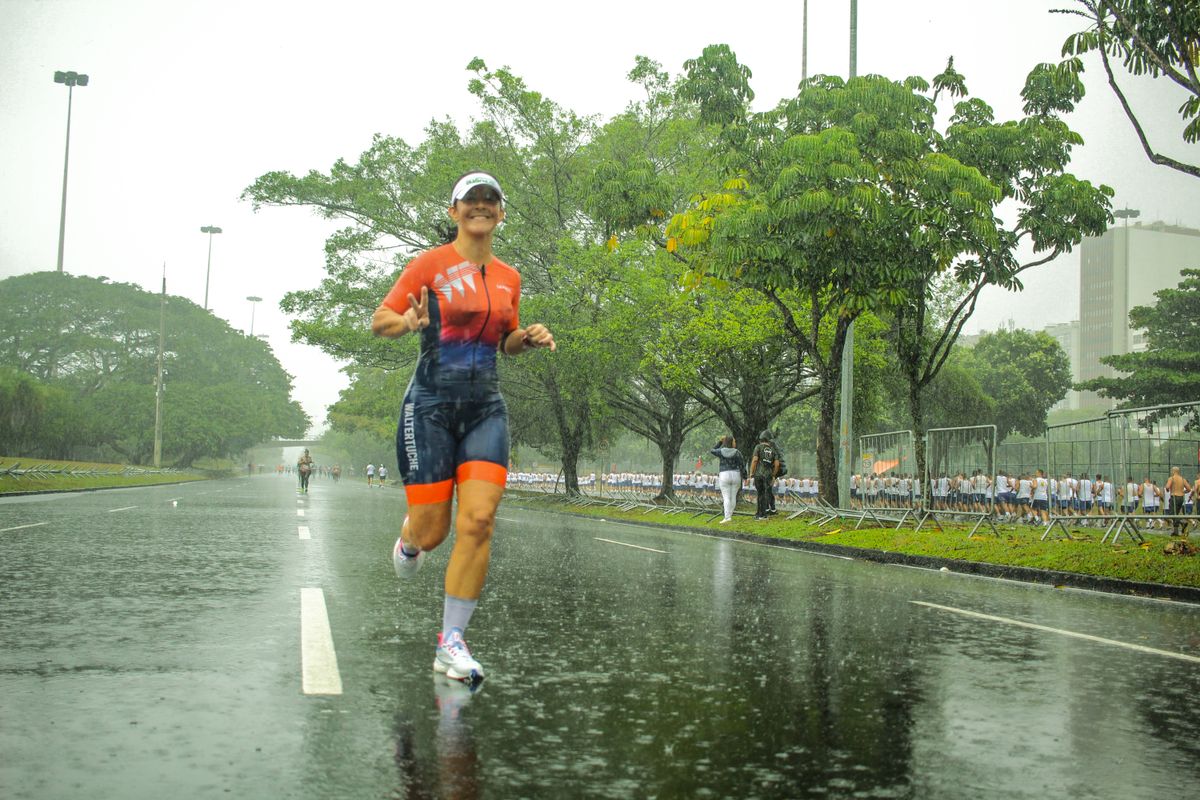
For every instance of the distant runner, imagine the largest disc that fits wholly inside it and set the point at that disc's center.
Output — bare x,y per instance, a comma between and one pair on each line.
304,467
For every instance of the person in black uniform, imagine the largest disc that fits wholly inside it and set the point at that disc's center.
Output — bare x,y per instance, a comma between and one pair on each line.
764,468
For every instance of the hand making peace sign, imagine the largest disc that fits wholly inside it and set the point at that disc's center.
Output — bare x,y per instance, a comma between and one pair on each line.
417,315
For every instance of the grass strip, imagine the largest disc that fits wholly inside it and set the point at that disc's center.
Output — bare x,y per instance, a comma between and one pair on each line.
1017,546
66,483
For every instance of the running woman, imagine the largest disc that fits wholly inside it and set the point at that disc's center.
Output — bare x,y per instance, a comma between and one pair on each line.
453,431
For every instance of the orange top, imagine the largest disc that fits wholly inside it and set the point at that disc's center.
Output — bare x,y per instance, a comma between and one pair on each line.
471,308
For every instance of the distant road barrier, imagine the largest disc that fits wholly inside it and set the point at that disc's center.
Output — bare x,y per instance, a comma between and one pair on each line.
50,471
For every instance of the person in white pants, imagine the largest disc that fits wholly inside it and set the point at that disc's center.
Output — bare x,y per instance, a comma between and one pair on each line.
732,467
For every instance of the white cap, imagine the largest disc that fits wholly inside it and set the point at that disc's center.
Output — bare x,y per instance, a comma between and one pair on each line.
469,181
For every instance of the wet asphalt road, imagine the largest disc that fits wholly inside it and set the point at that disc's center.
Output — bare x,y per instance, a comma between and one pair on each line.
150,647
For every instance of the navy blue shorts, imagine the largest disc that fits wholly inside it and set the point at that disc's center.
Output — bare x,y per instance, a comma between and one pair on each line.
447,437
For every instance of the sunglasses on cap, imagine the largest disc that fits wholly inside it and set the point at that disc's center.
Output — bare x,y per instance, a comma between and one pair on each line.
481,194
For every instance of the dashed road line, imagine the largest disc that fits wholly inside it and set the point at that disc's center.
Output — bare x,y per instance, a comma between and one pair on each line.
303,531
299,512
318,660
627,544
125,508
1073,634
21,527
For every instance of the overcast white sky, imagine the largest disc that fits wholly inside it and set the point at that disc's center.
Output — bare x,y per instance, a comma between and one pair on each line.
190,101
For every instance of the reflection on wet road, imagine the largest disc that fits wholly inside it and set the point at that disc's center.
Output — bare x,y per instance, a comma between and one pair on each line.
160,651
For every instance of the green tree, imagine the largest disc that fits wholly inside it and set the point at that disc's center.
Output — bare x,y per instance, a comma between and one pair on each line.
1052,210
737,360
1024,374
955,398
655,401
1159,38
23,402
371,403
831,204
94,345
1168,371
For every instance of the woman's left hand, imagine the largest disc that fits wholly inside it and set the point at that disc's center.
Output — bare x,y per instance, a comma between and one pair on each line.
538,335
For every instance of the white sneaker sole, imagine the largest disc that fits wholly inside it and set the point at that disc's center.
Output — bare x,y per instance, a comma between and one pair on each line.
473,676
406,567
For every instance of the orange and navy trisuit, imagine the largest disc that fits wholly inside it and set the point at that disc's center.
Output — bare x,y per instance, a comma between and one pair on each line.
453,421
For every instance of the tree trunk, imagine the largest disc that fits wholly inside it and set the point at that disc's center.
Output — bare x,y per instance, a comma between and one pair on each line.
916,408
570,465
826,448
669,448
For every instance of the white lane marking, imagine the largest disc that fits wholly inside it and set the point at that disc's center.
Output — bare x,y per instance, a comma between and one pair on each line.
299,512
19,527
626,544
318,660
304,534
506,519
1088,637
126,508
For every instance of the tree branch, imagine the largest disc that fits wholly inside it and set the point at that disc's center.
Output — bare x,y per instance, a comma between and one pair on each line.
1161,160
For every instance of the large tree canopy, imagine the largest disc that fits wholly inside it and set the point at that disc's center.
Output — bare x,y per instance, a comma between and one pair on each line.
1024,373
96,343
846,199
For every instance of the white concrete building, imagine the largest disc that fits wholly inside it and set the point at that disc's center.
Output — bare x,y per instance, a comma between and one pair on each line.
1117,271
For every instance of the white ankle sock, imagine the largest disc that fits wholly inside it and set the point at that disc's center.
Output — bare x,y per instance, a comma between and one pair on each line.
456,613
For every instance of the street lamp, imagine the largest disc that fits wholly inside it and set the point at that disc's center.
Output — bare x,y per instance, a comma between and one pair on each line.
71,79
158,382
210,230
254,301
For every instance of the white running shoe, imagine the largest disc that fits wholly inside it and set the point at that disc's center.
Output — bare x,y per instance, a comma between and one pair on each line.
454,660
406,566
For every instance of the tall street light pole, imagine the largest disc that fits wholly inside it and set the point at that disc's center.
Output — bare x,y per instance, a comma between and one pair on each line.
158,383
846,440
210,230
804,46
71,79
254,301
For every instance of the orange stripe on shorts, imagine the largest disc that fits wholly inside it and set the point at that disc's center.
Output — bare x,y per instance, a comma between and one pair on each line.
426,493
482,471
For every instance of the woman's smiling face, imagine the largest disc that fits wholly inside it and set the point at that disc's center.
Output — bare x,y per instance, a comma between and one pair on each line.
479,211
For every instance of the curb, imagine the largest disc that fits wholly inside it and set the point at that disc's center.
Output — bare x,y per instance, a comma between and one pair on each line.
1055,578
98,488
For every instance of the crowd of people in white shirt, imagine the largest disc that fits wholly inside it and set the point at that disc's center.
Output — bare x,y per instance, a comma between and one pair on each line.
1017,497
696,484
1020,496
